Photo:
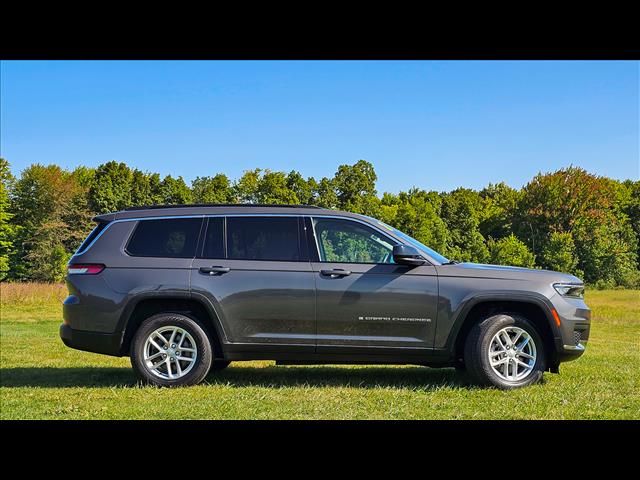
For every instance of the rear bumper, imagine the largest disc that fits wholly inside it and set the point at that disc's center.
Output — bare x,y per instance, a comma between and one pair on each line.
105,343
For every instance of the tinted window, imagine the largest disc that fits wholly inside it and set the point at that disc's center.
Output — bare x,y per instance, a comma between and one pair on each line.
214,239
346,241
93,235
165,238
263,238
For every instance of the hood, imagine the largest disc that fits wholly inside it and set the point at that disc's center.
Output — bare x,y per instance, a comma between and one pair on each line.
481,270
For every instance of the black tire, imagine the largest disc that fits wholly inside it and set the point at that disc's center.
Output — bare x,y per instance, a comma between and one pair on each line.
219,365
460,366
462,374
476,352
204,357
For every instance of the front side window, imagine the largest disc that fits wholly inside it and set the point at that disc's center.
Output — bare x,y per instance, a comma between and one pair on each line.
345,241
173,238
412,241
263,238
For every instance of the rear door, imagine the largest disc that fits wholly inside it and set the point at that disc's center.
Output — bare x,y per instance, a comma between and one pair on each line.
365,302
255,271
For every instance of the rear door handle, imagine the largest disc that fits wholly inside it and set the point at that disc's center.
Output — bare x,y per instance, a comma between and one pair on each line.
214,270
335,273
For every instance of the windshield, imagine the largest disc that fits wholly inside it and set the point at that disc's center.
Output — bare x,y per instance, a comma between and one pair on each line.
412,241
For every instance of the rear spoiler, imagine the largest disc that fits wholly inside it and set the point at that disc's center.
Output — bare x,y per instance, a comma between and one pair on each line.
107,217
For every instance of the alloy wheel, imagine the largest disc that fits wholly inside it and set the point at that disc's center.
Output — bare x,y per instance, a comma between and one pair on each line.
512,354
170,352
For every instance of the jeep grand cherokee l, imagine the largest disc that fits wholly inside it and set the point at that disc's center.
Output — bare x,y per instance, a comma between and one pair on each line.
184,290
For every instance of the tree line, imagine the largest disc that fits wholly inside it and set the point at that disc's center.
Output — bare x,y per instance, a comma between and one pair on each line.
568,220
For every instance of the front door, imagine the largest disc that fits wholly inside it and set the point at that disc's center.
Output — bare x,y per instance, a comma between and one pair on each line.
365,302
255,271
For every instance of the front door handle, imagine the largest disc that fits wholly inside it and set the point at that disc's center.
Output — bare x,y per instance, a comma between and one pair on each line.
335,272
214,270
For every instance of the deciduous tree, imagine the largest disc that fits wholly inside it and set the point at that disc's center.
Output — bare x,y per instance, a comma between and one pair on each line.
43,199
216,189
559,254
355,186
7,229
461,213
498,210
174,191
111,188
510,251
571,200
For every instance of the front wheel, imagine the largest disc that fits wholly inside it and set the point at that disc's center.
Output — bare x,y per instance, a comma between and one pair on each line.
219,365
505,351
171,350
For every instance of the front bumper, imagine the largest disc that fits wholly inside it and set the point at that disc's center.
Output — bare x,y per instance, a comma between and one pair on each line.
105,343
571,352
575,324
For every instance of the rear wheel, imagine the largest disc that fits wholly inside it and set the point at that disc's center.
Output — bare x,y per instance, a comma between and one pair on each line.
505,351
170,349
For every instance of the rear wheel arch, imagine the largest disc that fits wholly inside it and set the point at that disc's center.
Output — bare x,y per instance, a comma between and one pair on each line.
533,310
147,307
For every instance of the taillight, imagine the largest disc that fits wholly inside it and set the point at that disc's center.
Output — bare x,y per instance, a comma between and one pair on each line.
84,268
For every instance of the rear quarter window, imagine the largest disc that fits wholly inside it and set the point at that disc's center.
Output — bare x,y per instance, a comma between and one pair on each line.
92,236
165,238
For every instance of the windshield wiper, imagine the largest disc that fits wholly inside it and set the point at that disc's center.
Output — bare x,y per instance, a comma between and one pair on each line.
451,262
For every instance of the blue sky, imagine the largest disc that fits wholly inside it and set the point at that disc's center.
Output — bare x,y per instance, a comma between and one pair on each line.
434,125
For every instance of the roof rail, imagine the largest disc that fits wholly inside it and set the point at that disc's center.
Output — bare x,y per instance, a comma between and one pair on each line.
154,207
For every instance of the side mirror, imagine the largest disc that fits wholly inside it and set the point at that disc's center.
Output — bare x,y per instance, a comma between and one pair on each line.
407,255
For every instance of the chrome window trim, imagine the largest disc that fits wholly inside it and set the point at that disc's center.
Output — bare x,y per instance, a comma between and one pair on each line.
299,215
132,220
78,252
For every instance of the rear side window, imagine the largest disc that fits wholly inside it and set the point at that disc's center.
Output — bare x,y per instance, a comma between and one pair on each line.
165,238
263,238
92,236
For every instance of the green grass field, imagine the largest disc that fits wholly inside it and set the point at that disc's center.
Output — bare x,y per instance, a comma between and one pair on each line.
42,379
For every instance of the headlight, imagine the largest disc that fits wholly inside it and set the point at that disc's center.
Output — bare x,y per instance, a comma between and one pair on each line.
570,289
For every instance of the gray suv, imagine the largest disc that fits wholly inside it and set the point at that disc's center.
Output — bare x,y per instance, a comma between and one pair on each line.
183,290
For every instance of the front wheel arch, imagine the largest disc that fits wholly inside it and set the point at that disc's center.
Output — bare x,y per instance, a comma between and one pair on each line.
480,308
506,352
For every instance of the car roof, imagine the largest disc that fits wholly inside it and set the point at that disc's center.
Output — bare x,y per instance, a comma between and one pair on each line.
218,209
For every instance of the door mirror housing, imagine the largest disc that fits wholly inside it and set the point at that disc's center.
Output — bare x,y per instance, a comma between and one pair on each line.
407,255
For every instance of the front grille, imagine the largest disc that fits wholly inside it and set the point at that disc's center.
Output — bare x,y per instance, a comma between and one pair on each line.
577,336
